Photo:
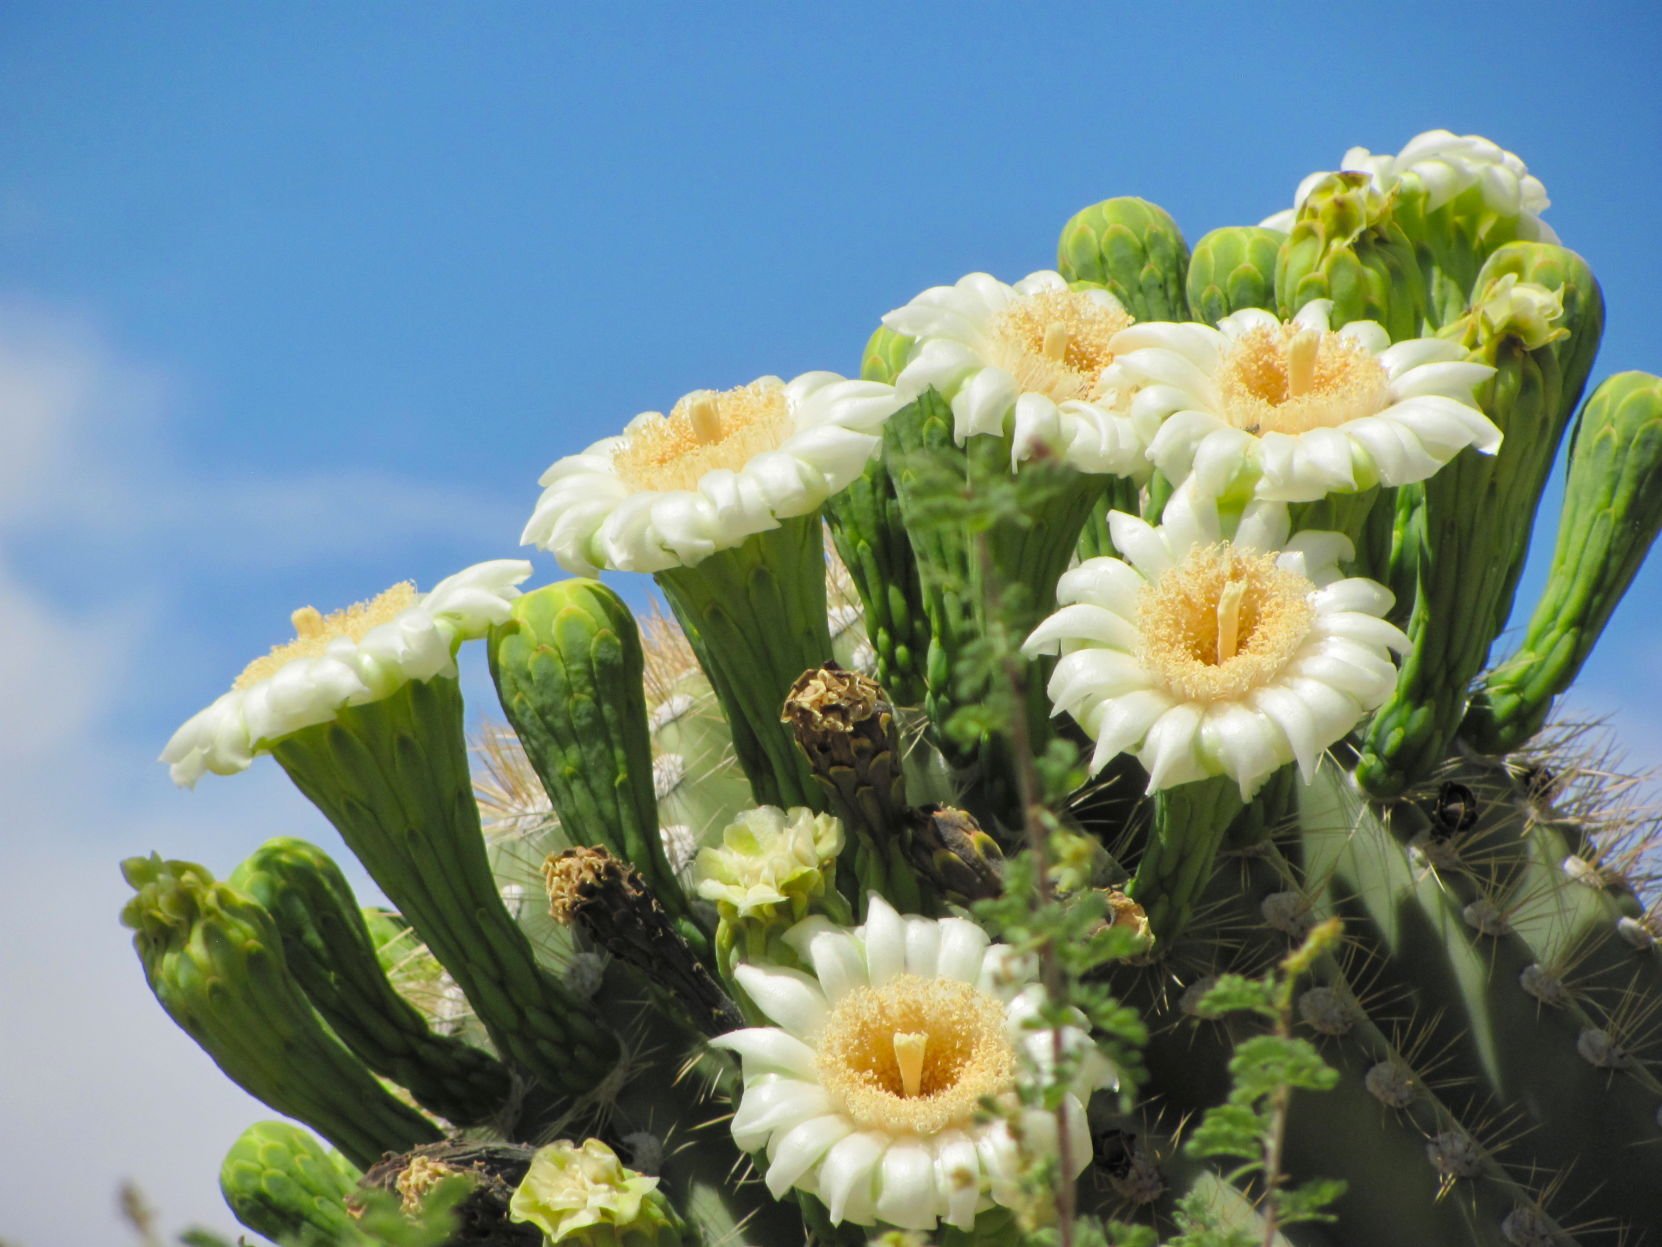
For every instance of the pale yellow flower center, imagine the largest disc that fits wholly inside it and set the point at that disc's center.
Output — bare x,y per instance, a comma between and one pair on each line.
1222,623
313,630
1290,379
1056,343
705,430
915,1055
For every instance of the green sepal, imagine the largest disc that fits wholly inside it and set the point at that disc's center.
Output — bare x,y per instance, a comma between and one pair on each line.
755,617
1612,511
568,667
1345,246
1233,268
281,1182
392,776
1132,248
331,954
214,960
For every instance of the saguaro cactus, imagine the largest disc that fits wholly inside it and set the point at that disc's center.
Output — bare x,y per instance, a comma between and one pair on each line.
1184,860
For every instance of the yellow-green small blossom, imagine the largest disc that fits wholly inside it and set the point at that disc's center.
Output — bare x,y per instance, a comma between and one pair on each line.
1524,310
583,1194
771,864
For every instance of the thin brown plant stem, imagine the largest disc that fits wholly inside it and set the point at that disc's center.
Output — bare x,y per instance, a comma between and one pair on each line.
1050,968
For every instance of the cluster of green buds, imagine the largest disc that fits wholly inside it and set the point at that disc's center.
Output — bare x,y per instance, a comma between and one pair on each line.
896,890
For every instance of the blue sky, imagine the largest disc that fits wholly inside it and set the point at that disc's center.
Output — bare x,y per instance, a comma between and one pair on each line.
296,301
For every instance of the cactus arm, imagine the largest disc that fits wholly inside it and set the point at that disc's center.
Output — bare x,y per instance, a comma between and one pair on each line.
1612,511
568,667
1478,513
329,950
215,962
392,777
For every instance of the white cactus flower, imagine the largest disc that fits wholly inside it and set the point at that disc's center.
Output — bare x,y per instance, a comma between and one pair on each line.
721,467
1026,361
1210,655
361,654
1302,409
1444,164
865,1092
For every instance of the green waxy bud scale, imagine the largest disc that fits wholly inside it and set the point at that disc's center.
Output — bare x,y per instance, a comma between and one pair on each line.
1133,249
568,667
1233,268
392,776
281,1182
215,961
330,952
1345,247
1612,511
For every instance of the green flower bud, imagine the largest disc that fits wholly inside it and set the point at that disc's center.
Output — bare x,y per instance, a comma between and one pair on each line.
1132,248
1233,268
279,1181
1346,246
583,1194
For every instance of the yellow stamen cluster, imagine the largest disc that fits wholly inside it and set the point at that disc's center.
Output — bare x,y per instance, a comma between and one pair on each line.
419,1177
915,1055
1222,623
314,630
705,430
1056,343
1289,379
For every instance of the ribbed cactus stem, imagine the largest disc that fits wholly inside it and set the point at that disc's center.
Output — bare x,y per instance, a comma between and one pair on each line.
568,666
755,616
214,959
1477,516
281,1182
1612,511
1190,821
330,952
1132,248
392,776
1447,946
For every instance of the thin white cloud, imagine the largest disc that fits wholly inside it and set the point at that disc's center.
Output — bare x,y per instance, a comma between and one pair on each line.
93,1067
